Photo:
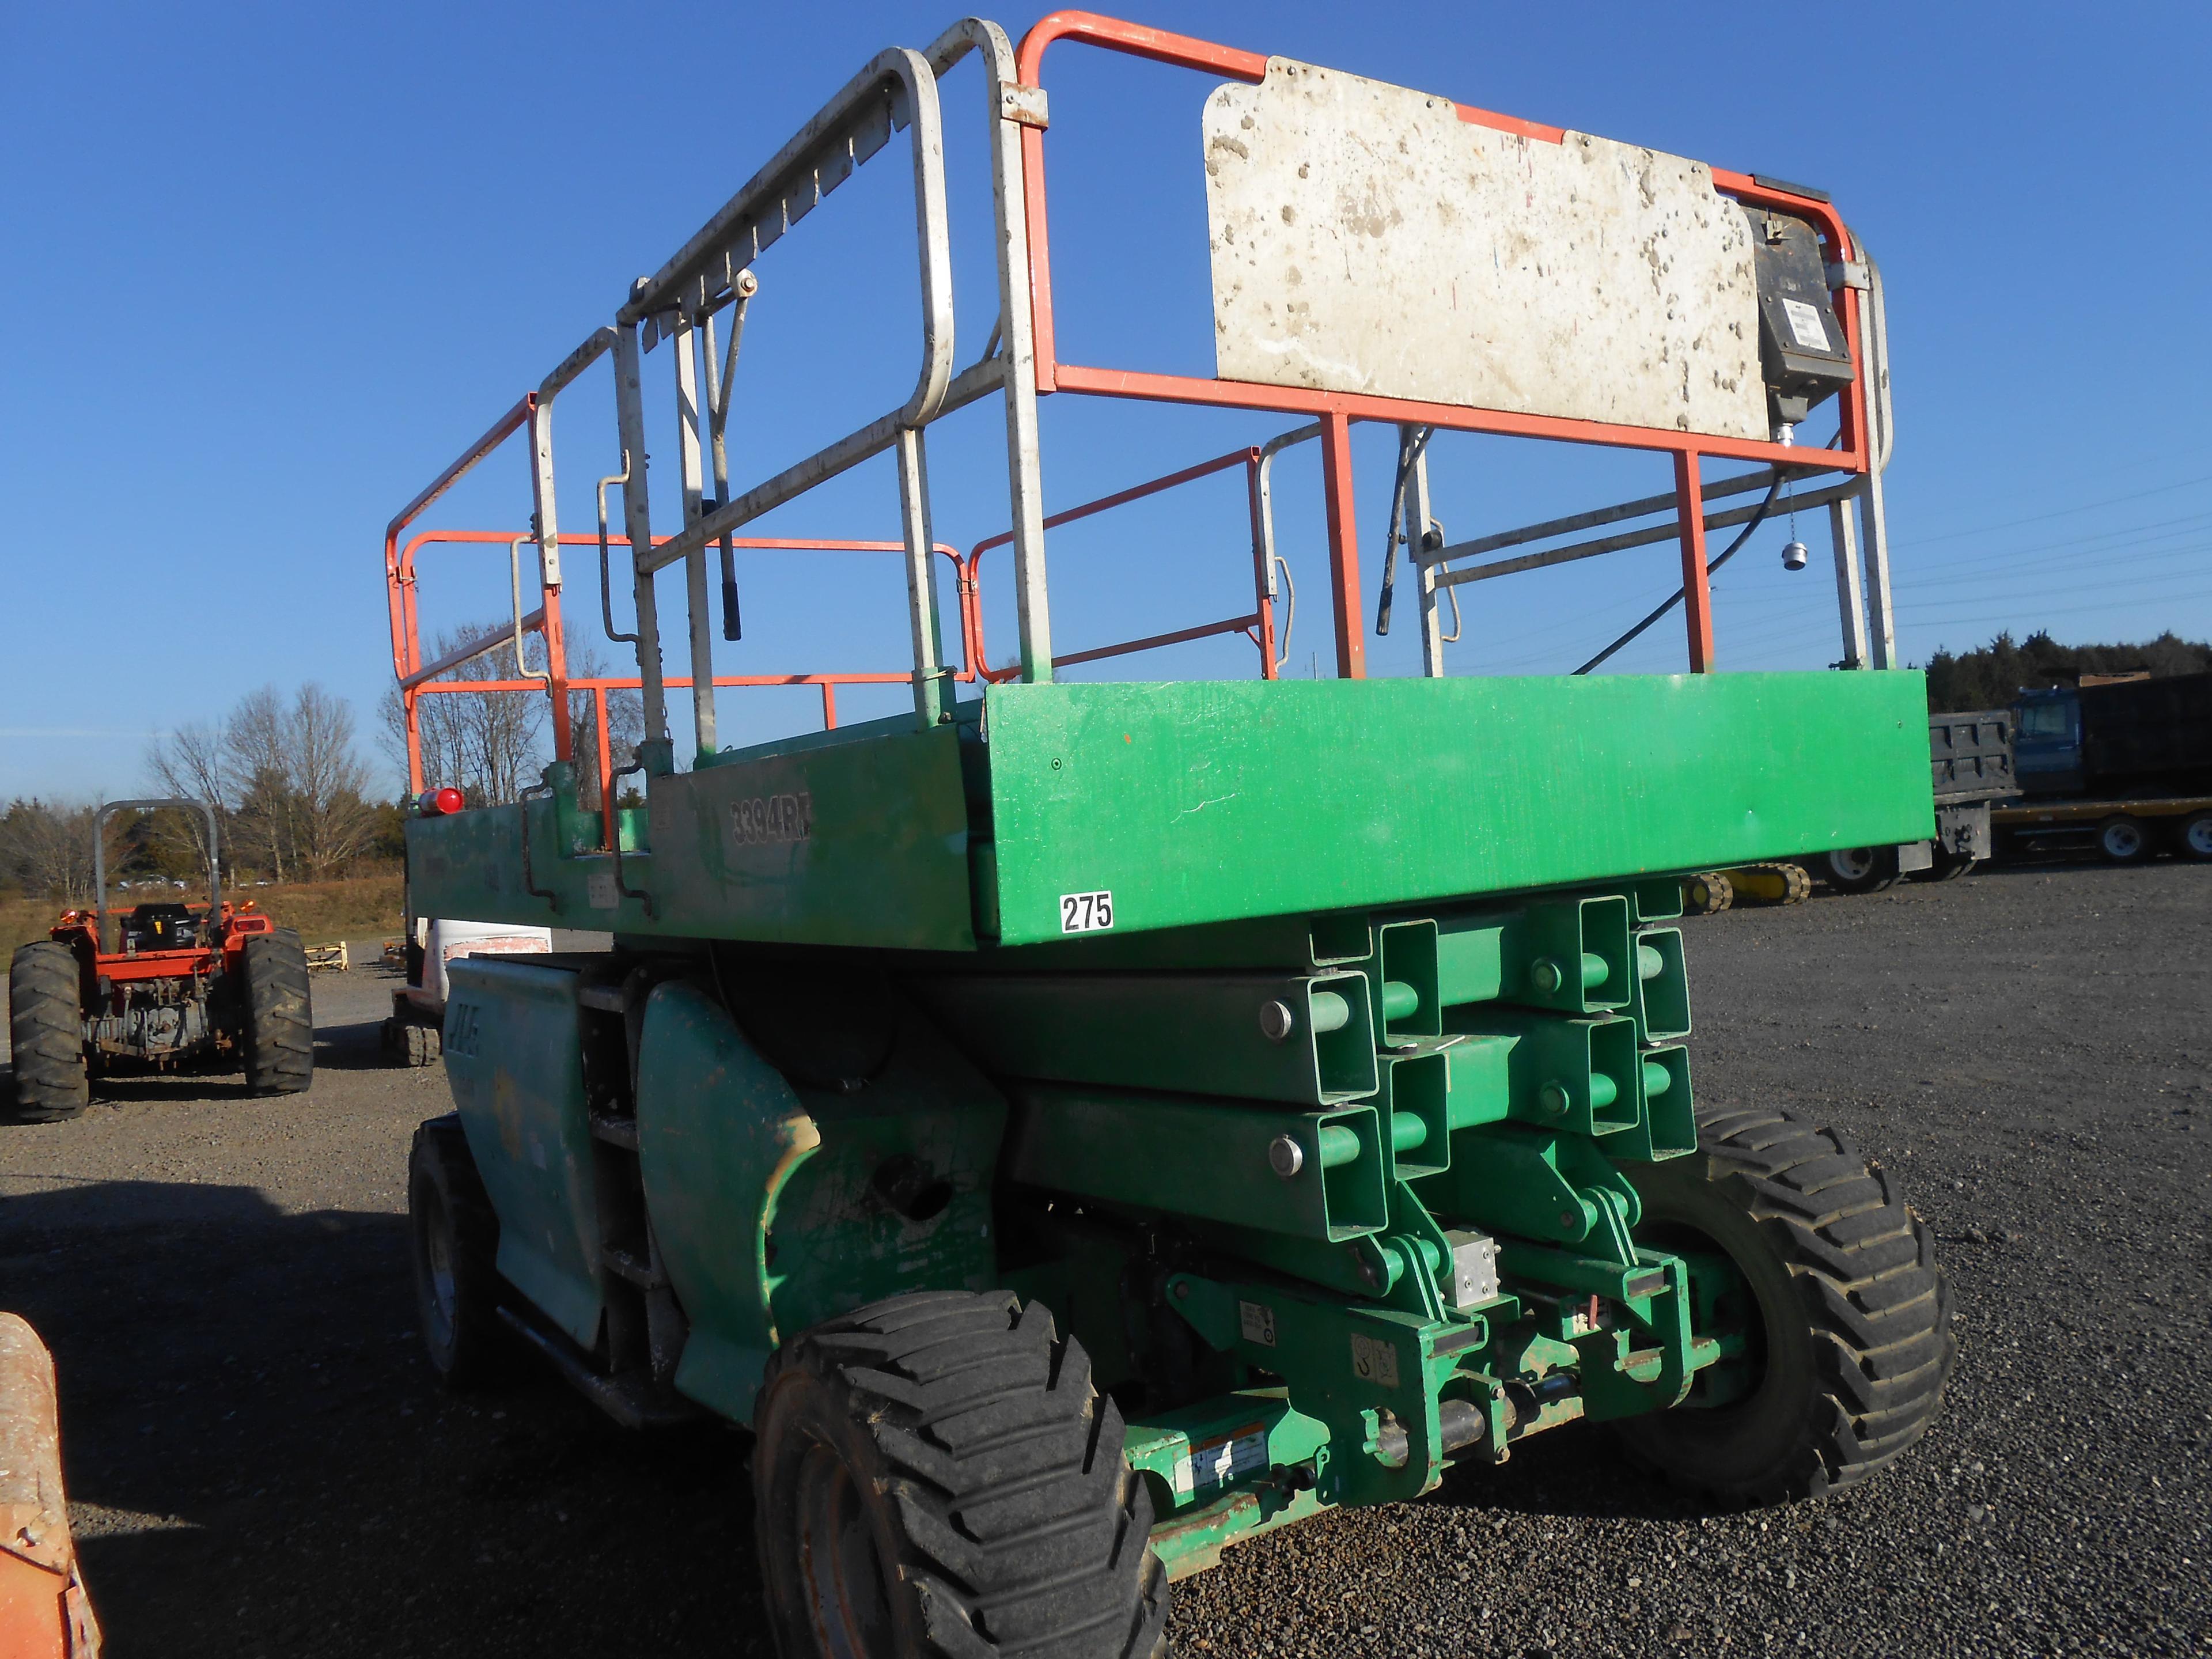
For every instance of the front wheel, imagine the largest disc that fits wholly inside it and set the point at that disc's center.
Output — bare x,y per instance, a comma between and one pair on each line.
2195,838
1861,869
1827,1284
934,1474
45,1033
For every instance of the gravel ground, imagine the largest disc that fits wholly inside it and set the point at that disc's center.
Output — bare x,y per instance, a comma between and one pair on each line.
259,1462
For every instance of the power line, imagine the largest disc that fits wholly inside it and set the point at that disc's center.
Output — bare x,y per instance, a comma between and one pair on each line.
2061,512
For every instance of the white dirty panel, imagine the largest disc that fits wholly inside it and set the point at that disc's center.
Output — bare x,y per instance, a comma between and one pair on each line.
1364,239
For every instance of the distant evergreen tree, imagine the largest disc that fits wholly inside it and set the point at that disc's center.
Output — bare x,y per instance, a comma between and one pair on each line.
1991,676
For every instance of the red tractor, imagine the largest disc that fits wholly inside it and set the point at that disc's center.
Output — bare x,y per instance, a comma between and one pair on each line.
159,986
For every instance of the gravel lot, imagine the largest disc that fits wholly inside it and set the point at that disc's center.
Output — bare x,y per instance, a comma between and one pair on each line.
259,1462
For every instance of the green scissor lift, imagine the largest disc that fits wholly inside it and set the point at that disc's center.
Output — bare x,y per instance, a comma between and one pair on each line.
1075,1128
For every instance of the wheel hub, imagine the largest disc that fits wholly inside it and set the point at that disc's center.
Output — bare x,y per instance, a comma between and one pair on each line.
840,1571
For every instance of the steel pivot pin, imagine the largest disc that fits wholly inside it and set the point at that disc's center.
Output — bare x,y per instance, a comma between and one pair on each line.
1276,1020
1286,1157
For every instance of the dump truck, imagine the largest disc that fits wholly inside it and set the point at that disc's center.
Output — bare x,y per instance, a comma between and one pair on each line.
1075,1126
1970,757
155,987
2124,766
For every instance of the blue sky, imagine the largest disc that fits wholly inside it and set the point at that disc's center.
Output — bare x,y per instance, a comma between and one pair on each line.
270,266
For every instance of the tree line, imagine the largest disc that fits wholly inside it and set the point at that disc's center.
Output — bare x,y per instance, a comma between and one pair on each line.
293,801
491,745
1991,676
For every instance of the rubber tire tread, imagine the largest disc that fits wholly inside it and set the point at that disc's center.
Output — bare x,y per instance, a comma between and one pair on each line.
1946,866
1707,894
483,1350
279,1016
1872,1305
45,1033
1884,876
1020,1526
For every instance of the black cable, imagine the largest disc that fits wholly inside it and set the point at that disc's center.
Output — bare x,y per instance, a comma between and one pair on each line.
1409,451
1711,565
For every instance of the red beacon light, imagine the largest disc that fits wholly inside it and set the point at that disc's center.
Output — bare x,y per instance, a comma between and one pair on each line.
436,803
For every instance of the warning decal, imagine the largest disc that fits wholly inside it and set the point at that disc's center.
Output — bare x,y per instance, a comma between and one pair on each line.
1805,322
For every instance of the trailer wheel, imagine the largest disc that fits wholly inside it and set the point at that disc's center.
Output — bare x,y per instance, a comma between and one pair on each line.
455,1234
935,1473
1861,869
280,1023
2194,840
2123,840
45,1032
1846,1317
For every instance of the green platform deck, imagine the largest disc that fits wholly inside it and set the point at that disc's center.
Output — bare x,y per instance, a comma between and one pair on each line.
1197,802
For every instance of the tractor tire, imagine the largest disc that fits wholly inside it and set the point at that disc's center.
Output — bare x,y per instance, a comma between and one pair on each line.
1707,893
1851,1345
45,1030
1860,869
2193,841
935,1475
1946,866
455,1235
2123,840
280,1022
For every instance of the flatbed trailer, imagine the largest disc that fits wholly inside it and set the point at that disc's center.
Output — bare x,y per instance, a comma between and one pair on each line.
1075,1128
2125,830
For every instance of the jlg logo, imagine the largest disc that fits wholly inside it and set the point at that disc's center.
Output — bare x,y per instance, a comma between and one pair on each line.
462,1029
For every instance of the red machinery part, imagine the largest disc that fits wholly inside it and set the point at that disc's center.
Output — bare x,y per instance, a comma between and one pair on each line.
44,1611
437,803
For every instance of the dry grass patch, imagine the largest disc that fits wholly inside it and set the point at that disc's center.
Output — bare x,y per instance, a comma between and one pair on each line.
360,907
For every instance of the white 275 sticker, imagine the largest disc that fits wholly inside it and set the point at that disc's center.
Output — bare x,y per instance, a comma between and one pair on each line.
1085,913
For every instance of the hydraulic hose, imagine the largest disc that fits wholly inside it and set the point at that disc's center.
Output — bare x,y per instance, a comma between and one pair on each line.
1742,536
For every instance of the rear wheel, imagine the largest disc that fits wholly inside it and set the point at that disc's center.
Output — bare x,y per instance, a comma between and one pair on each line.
2123,840
1830,1284
455,1235
1861,869
1947,866
2194,840
45,1032
935,1475
280,1022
